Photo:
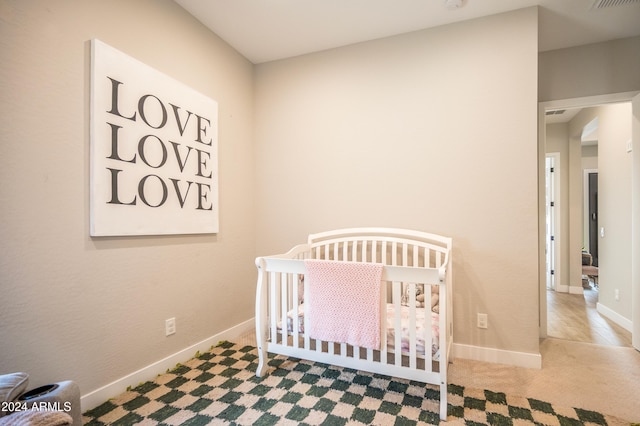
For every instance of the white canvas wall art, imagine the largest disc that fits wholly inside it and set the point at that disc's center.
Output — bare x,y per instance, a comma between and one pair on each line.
154,151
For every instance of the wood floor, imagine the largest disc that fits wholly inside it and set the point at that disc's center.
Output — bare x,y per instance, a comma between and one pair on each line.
575,317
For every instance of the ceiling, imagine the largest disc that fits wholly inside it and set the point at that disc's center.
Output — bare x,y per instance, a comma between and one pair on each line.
267,30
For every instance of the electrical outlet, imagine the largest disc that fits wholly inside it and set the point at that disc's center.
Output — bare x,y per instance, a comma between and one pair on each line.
482,321
617,294
170,326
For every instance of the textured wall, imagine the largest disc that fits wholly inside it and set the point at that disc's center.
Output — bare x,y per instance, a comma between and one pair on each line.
594,69
433,130
93,309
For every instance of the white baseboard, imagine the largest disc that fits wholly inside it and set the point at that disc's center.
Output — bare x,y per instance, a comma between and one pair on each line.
498,356
615,317
571,289
576,290
98,396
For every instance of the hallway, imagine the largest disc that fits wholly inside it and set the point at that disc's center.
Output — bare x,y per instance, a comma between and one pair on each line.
575,317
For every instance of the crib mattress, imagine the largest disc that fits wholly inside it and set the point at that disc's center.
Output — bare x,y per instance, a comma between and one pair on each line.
404,316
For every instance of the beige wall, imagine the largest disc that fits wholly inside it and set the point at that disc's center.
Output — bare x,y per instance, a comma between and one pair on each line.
93,309
614,192
614,202
433,130
590,70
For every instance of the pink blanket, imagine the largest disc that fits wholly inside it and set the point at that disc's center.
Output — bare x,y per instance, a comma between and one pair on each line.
344,302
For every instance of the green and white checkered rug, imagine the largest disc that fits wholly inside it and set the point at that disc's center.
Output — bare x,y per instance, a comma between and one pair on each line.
220,387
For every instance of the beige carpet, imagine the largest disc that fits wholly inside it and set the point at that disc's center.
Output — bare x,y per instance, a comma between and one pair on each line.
573,374
219,386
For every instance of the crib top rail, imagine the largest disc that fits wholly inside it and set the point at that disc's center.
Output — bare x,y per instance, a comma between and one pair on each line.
389,246
431,276
381,234
397,249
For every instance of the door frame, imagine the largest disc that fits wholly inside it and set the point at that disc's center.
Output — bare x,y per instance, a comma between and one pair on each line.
584,102
554,282
585,207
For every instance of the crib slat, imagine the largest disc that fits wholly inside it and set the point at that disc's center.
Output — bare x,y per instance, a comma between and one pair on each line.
296,306
397,322
273,308
384,325
412,325
307,339
283,307
383,253
428,328
394,253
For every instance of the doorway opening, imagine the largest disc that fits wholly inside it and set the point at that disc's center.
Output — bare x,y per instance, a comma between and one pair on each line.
586,232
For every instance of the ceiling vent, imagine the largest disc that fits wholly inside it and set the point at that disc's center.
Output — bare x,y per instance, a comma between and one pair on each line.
603,4
555,112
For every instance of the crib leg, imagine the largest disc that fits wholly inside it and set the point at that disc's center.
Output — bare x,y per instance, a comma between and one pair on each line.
443,401
262,365
261,370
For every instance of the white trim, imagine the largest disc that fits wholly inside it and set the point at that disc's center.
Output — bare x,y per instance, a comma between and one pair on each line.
588,101
100,395
571,289
585,205
615,317
574,289
557,220
497,356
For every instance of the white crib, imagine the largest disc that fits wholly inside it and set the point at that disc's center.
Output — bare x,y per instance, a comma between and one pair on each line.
413,262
